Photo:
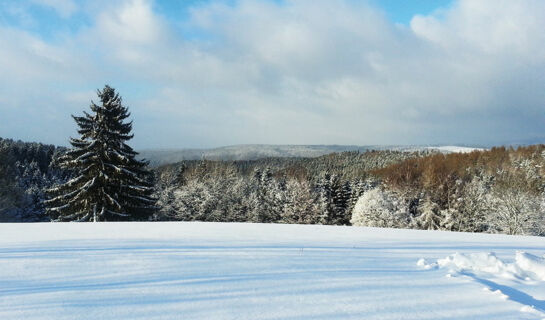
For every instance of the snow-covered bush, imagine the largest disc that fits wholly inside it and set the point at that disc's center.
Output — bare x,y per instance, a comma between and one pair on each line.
379,208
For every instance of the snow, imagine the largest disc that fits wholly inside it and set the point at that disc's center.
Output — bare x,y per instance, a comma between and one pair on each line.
455,149
520,281
526,266
265,271
532,266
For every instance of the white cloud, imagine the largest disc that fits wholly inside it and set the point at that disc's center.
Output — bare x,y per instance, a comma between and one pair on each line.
132,23
301,72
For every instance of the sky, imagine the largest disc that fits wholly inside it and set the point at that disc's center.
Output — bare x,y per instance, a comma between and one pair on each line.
208,73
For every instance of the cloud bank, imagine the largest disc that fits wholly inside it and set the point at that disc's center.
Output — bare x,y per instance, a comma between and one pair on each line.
282,72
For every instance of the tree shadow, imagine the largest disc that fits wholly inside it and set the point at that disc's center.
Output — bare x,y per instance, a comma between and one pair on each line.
512,293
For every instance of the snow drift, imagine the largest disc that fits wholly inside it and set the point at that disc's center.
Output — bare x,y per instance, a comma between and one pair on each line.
526,266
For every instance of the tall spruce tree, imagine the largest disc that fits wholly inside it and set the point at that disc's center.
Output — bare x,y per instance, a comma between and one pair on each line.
110,183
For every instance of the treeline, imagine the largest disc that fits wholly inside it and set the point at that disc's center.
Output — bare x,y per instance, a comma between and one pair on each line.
320,190
26,170
498,191
290,190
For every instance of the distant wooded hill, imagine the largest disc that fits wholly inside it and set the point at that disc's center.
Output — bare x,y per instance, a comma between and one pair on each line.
260,151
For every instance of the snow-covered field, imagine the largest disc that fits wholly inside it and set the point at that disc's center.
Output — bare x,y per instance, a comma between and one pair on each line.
258,271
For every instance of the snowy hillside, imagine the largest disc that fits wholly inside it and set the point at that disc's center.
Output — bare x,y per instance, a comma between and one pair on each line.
259,151
259,271
455,149
246,152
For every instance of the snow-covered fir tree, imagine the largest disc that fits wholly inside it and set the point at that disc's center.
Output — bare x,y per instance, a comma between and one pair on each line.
476,204
109,182
452,215
7,190
333,198
264,201
357,188
429,218
299,206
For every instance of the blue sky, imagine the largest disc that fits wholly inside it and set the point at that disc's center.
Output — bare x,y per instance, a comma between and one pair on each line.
400,11
205,73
